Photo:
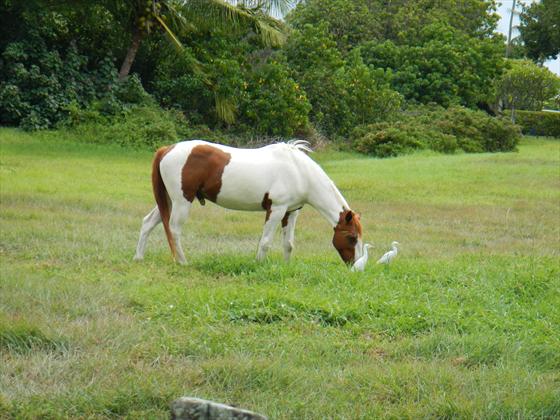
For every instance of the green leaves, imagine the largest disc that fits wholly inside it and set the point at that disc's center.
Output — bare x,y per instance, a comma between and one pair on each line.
526,85
540,30
442,130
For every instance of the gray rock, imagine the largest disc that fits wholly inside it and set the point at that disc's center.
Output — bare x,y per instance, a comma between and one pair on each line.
187,408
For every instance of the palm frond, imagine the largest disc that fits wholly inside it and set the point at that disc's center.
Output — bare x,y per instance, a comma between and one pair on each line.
225,108
220,13
169,32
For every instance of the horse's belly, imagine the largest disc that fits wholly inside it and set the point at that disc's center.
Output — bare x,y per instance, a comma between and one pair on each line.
249,186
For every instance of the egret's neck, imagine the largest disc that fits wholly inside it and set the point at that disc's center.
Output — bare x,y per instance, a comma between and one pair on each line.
324,196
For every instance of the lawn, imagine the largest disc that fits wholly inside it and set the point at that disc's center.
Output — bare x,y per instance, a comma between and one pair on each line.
464,324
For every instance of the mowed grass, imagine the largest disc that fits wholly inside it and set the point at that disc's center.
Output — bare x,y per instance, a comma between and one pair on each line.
464,324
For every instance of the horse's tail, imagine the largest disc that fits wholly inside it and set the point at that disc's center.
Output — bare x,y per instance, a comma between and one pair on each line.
161,196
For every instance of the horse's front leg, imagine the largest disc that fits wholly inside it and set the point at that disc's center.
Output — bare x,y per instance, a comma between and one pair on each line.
288,232
273,217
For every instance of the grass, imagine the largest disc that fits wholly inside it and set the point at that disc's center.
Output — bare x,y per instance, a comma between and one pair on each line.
464,324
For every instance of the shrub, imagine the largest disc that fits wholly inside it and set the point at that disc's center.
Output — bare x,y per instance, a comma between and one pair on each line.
38,84
539,123
385,141
137,127
442,130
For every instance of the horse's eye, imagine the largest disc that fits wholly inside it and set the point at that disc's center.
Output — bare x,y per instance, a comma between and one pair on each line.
352,240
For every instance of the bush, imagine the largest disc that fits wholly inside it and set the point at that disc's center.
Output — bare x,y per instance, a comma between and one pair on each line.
442,130
38,84
539,123
137,127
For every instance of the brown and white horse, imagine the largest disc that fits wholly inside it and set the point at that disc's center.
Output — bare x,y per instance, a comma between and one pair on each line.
278,179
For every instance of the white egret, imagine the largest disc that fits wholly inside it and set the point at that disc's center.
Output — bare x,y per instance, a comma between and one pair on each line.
361,262
389,256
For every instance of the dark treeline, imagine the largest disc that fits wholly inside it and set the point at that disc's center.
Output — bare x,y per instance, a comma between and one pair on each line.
355,71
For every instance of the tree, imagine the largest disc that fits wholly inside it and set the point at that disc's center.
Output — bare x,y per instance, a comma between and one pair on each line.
443,65
352,22
343,92
349,22
527,86
540,30
141,17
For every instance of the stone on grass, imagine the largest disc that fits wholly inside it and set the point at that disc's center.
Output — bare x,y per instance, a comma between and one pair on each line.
187,408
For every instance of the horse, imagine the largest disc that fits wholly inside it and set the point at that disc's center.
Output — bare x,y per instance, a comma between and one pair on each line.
278,179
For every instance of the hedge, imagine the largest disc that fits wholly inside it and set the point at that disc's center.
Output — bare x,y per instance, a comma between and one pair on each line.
539,123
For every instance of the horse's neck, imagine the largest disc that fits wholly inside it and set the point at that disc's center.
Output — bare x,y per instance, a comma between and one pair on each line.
324,196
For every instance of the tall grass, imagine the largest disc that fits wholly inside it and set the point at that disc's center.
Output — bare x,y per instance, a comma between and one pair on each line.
464,324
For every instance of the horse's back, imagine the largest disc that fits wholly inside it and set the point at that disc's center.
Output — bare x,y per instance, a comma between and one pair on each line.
232,177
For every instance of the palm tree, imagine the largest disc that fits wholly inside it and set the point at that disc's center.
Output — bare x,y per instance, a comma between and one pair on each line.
142,17
508,48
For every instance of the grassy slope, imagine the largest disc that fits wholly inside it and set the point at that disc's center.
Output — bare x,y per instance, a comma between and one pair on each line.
465,323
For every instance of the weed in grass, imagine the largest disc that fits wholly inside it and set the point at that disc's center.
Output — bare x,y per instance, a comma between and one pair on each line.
20,338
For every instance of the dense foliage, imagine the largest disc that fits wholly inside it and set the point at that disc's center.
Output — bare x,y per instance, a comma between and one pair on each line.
540,30
344,64
343,92
442,52
38,83
539,123
443,130
528,86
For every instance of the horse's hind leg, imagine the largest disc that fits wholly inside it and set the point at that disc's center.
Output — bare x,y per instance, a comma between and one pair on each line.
179,213
148,224
288,232
273,218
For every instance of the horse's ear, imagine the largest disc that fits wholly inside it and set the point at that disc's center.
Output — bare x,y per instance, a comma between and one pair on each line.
349,216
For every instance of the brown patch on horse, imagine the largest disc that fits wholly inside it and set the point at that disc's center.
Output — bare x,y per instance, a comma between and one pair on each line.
160,194
286,217
266,204
347,232
201,176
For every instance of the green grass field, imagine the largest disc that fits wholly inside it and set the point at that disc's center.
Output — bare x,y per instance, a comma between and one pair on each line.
464,324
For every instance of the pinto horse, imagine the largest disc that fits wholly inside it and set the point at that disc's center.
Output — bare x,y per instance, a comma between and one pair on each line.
278,179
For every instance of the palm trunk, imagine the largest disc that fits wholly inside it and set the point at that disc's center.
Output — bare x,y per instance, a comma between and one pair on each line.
131,54
508,47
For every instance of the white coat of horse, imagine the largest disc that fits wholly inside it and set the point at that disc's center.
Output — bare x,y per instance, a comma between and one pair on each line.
278,179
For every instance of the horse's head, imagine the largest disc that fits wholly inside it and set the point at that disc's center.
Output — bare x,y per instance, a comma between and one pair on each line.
347,237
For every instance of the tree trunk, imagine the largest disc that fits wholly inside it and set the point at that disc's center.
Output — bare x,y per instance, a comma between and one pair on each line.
508,47
131,54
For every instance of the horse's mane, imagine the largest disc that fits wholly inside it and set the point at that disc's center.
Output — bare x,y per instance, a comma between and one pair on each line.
302,145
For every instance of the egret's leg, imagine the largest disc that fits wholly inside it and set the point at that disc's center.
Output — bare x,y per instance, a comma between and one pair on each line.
288,232
148,224
275,215
179,213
